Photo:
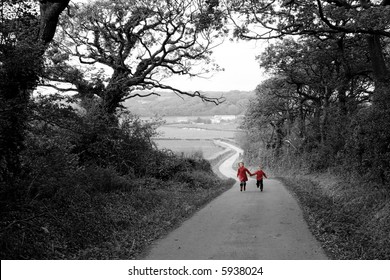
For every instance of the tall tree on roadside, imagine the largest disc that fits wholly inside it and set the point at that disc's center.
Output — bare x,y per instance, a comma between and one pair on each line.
323,73
271,112
308,103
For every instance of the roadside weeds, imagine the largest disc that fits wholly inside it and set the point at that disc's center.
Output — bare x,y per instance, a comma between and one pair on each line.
350,219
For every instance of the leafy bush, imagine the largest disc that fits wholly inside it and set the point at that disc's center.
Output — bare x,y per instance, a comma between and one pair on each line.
104,179
196,179
48,164
199,163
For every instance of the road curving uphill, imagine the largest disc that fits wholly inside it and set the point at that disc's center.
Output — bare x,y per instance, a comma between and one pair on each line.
242,225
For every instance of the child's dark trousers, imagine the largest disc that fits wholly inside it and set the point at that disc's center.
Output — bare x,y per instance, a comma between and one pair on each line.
242,185
259,183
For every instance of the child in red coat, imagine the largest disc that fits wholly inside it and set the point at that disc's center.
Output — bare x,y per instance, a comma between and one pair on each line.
241,174
259,177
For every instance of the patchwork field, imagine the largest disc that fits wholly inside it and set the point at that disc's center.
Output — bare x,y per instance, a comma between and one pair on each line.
190,138
189,147
173,132
230,126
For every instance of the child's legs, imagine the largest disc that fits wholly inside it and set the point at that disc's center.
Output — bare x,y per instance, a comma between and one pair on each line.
260,184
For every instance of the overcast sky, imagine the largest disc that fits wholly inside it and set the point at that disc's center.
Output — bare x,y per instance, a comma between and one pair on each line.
242,71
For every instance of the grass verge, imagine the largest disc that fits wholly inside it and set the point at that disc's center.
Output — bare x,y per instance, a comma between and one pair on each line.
350,219
80,223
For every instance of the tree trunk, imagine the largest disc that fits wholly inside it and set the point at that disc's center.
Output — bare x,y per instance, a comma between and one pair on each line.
302,121
112,96
317,121
111,101
324,120
381,98
279,137
342,100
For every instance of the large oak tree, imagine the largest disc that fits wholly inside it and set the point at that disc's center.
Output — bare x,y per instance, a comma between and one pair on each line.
136,45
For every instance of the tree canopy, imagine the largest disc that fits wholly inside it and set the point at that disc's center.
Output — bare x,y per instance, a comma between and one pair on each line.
323,19
136,44
318,110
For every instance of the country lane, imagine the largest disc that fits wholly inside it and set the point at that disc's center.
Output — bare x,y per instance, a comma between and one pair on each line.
242,225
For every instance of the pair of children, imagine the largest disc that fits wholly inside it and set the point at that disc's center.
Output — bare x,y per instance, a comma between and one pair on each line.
242,177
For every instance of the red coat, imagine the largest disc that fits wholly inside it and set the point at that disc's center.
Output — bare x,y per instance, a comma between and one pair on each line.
241,174
259,174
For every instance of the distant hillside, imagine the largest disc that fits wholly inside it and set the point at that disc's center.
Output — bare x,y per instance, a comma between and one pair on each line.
169,104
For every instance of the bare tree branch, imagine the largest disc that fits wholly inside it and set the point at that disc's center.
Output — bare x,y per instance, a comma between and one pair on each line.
58,88
142,44
140,95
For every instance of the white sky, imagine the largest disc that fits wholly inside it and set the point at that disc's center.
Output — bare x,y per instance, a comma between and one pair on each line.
242,71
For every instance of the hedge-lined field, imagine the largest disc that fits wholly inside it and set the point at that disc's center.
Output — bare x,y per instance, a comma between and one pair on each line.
207,148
